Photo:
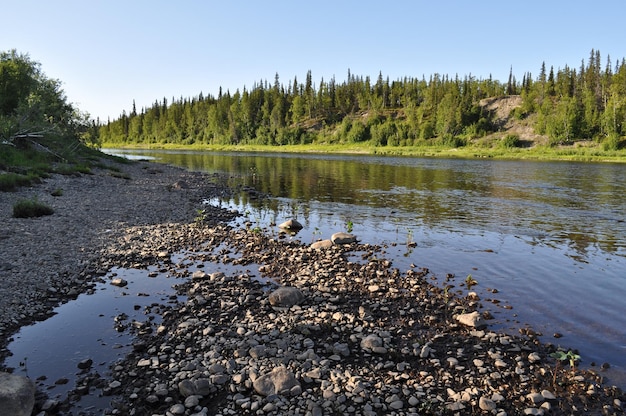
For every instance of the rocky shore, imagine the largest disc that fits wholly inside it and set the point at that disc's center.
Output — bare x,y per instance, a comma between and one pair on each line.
295,330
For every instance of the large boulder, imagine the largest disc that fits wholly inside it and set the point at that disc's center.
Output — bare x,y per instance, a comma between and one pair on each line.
286,297
17,395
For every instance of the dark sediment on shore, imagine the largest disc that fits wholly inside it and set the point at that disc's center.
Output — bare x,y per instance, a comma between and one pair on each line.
358,337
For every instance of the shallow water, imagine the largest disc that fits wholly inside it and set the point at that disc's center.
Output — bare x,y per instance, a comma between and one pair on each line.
50,350
549,236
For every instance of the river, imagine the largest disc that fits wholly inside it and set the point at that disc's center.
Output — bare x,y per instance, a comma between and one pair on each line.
545,241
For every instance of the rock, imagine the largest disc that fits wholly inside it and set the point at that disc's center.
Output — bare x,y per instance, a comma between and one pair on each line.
286,297
486,404
291,225
343,238
371,342
322,244
17,395
473,319
200,387
85,364
177,409
119,282
536,398
279,381
396,404
181,184
199,275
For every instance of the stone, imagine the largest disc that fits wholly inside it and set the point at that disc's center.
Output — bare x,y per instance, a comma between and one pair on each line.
486,404
17,394
473,319
396,404
177,409
371,341
279,381
322,244
199,275
536,398
286,297
85,364
291,225
119,282
343,238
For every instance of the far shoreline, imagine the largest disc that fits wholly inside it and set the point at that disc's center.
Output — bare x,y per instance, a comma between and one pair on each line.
573,153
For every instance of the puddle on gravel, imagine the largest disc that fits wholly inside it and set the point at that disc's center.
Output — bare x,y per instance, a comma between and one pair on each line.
50,351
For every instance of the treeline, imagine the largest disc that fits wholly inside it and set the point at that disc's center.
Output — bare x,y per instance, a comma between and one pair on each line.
566,105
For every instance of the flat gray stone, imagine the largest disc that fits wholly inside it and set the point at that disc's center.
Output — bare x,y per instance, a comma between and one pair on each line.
17,395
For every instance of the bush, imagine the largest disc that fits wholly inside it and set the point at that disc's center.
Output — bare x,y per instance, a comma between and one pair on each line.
449,140
611,142
29,208
510,141
358,133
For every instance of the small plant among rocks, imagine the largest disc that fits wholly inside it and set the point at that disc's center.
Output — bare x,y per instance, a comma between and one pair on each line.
470,281
57,192
562,357
29,208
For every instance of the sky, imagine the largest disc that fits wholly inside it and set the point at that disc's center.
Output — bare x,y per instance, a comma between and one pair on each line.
109,53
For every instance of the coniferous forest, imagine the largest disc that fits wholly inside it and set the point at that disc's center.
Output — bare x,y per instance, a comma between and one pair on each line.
563,106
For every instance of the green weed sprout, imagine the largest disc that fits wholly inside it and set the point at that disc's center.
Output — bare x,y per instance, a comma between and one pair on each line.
563,356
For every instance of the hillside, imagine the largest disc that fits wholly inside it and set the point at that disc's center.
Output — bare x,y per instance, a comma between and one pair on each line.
506,123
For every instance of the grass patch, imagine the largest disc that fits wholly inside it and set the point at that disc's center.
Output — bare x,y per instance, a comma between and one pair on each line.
9,182
57,192
29,208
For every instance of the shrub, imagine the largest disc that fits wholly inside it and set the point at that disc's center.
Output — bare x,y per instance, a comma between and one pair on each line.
611,142
510,141
28,208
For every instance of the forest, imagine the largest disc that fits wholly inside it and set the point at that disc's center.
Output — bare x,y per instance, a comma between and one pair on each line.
566,105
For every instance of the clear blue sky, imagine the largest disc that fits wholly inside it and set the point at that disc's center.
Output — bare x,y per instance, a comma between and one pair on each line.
108,53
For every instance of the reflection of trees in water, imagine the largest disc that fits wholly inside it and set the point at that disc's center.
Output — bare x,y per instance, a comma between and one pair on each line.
560,202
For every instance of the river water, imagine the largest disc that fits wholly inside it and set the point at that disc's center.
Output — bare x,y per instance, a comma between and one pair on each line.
549,237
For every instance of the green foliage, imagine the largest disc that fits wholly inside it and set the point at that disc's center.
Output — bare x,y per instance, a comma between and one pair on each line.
510,141
612,142
569,356
29,208
40,131
11,181
565,105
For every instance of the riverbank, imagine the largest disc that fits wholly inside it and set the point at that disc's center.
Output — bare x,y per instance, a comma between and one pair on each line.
360,337
51,259
583,152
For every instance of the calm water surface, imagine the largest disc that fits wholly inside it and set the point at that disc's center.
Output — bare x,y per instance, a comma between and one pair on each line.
550,237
